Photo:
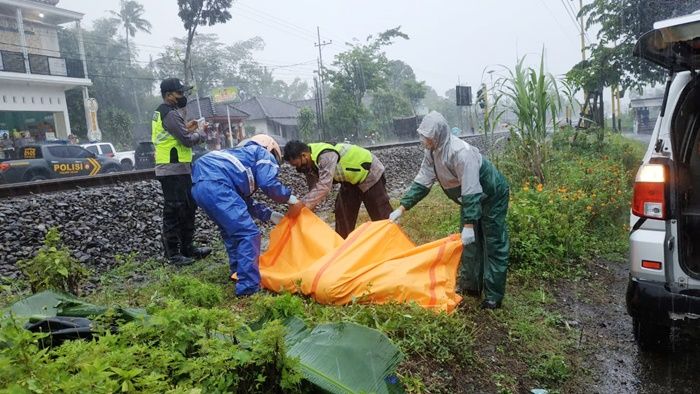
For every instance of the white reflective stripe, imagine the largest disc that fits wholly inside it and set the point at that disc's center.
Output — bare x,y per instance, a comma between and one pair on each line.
344,148
239,166
162,136
266,161
229,157
251,180
339,175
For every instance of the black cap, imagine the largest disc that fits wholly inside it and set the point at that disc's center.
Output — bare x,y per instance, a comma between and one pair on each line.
173,85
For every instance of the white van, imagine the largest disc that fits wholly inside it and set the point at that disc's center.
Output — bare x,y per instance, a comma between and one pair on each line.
664,283
126,159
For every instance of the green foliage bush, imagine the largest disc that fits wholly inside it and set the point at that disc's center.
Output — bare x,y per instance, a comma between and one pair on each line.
178,349
582,211
415,330
117,125
193,291
551,368
53,267
307,124
278,307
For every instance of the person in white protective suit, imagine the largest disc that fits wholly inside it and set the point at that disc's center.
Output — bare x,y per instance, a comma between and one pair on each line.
482,191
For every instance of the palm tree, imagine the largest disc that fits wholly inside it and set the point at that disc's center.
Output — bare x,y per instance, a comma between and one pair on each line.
130,16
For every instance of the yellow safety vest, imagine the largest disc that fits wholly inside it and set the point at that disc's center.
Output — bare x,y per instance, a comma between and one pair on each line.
164,142
353,163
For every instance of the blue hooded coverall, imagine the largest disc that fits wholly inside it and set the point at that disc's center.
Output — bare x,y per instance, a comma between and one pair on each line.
223,183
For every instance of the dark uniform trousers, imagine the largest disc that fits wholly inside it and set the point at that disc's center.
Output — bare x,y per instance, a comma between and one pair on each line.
347,205
179,210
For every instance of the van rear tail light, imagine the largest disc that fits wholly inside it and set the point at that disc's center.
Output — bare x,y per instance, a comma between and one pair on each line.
4,167
652,265
650,191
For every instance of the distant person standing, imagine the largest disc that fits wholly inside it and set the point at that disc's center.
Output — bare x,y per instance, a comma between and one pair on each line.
7,146
173,141
24,140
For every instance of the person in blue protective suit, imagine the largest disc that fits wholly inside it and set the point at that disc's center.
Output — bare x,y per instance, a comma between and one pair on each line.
223,185
482,191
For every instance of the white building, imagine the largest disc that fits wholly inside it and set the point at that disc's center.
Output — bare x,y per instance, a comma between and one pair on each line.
646,109
34,74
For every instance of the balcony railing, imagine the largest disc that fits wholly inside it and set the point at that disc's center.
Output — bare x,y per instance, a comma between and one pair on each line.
42,65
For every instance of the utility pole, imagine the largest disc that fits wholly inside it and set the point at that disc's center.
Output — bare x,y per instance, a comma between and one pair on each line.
583,42
320,44
586,95
612,103
319,121
461,123
196,91
619,111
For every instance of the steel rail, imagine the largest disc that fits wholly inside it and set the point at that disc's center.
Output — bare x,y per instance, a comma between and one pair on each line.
82,182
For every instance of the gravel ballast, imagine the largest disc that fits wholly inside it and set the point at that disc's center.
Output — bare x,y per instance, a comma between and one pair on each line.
98,224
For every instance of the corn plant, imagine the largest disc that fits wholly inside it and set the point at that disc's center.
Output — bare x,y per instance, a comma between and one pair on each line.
491,117
534,99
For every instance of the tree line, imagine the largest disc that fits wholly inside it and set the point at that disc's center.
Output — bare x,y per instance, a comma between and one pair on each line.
364,90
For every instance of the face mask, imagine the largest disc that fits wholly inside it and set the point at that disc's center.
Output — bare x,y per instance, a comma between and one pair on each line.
305,167
181,102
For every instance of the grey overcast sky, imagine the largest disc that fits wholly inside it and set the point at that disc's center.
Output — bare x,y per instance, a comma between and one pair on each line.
449,39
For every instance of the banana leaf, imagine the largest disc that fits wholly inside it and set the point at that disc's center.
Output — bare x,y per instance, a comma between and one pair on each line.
346,358
51,303
335,357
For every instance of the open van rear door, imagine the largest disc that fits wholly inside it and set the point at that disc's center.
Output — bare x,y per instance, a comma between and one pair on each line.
674,44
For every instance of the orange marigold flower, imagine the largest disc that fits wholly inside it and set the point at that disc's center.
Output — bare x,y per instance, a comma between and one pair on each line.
539,187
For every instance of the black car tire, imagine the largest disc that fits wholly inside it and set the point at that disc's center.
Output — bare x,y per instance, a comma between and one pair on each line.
650,336
127,165
36,176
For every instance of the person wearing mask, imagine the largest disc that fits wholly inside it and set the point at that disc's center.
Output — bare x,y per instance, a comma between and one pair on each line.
224,183
359,172
173,141
471,181
6,146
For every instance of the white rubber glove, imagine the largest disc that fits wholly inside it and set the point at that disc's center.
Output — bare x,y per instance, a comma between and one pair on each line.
292,200
276,217
468,236
394,216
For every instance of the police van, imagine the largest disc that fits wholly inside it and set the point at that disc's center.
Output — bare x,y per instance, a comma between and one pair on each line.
39,162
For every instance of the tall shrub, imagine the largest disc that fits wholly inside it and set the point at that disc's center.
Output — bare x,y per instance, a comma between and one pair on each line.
534,99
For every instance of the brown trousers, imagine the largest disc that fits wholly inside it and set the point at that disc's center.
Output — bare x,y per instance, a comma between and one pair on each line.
347,205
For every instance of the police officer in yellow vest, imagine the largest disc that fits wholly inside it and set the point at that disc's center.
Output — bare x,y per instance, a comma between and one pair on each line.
173,141
359,172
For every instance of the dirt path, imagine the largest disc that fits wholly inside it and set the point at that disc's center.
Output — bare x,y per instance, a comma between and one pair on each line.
615,363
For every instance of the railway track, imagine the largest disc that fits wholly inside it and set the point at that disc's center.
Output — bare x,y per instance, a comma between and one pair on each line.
82,182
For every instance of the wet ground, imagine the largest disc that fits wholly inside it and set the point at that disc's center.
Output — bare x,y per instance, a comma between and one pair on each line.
615,360
616,363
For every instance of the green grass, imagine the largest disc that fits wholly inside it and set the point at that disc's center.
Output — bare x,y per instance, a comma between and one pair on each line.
440,349
524,344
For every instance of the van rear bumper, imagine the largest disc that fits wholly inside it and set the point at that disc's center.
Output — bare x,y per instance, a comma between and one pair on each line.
654,301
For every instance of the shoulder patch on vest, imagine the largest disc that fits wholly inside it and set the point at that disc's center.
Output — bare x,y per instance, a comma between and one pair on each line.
163,110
